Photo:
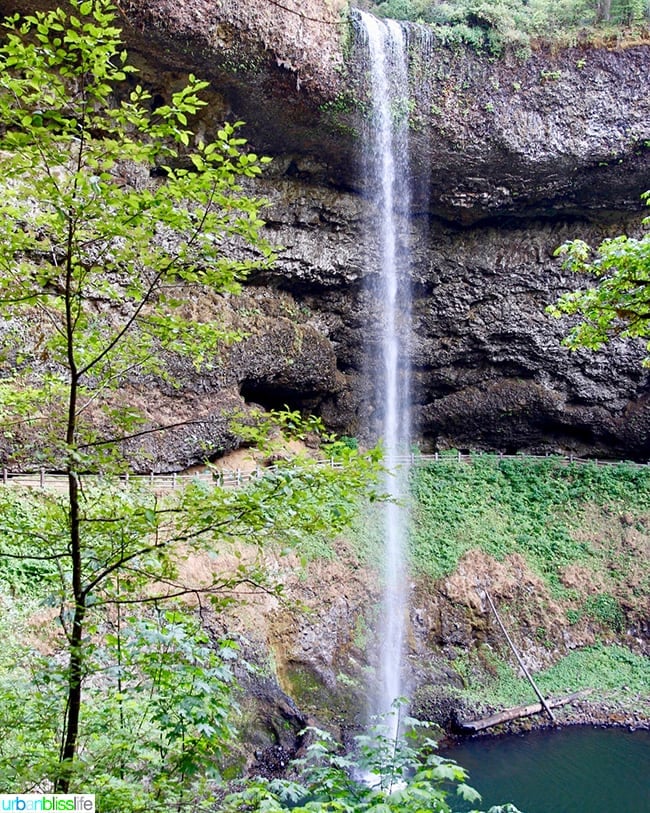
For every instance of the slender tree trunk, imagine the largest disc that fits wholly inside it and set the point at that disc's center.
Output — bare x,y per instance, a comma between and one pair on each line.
70,733
604,11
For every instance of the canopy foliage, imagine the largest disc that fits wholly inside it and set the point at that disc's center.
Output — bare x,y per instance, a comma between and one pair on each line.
490,25
116,218
619,304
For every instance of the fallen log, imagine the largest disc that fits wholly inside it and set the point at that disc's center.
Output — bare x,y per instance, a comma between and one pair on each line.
515,713
520,661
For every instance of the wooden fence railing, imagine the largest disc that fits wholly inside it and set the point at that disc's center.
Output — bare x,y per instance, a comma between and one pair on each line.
462,457
223,478
235,478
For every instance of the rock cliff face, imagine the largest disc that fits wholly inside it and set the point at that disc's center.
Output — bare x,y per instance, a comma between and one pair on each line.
489,371
509,158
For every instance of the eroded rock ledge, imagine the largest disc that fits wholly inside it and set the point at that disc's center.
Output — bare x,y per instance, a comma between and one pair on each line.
559,131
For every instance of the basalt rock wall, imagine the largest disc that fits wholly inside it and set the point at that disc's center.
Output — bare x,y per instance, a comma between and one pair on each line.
489,371
509,158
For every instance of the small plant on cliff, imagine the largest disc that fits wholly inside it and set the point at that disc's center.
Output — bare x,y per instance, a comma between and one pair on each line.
115,218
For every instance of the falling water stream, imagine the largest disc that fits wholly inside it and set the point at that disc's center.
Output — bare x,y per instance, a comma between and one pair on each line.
385,166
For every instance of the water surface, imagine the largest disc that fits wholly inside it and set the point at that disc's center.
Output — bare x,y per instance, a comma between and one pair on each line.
579,769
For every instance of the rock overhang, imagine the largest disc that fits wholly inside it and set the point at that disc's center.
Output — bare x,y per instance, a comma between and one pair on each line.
562,131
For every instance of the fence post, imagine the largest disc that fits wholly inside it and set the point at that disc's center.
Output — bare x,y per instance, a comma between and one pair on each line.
151,477
173,480
4,477
42,477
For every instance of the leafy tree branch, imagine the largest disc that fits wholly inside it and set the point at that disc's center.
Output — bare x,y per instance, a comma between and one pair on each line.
95,269
618,305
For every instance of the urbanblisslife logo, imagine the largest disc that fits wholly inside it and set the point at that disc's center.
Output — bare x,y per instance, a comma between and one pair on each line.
78,802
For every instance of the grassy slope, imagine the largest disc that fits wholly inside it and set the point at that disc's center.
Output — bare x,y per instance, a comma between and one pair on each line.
584,529
553,514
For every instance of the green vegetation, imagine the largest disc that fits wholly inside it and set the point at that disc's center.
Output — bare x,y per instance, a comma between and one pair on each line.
613,672
157,713
99,265
408,777
115,217
583,528
491,26
619,304
173,718
533,507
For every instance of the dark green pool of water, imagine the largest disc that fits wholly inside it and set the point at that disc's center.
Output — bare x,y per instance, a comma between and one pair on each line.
571,770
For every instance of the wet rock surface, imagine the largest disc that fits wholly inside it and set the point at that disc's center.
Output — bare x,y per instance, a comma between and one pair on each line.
510,158
561,130
488,368
315,658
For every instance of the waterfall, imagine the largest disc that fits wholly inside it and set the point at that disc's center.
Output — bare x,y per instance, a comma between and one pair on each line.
386,184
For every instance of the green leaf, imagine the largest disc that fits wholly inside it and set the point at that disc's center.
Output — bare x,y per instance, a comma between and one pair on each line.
468,793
